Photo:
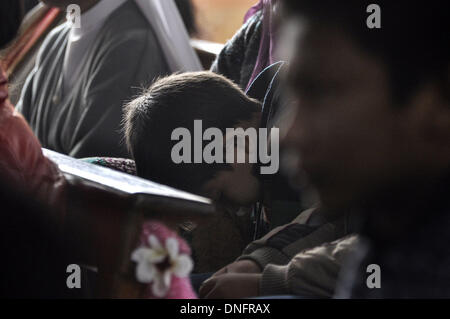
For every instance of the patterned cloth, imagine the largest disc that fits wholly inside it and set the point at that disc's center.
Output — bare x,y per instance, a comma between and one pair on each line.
118,164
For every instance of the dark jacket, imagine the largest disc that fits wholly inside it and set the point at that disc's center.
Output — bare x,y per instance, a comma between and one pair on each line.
414,259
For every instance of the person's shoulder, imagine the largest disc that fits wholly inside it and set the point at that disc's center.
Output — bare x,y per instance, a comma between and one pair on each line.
128,27
53,40
127,18
253,25
57,32
249,30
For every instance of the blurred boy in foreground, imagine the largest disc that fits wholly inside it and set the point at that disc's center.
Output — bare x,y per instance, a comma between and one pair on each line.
371,129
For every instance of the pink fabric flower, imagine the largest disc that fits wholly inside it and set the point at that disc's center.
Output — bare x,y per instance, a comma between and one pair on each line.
163,262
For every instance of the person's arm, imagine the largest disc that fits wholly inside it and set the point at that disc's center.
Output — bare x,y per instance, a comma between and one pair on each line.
23,164
121,71
311,273
283,243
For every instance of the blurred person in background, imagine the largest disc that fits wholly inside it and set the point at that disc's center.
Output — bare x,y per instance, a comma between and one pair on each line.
19,57
73,98
252,48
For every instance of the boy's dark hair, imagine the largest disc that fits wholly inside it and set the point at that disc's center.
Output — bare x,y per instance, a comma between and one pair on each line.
413,39
176,101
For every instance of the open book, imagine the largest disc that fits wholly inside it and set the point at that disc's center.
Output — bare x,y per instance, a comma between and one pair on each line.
153,198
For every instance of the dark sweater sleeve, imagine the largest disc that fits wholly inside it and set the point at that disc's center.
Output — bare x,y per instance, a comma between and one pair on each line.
281,244
313,272
237,59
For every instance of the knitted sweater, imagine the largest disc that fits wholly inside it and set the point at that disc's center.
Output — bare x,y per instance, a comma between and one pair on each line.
303,257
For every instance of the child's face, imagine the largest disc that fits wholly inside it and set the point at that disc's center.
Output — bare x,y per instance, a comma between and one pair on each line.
234,188
238,186
350,136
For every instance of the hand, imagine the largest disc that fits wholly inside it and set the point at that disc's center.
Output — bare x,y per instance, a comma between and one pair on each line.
245,266
231,286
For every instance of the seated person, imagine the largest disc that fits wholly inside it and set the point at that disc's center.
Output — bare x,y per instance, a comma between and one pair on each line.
20,56
174,102
372,127
73,97
22,163
41,230
252,48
